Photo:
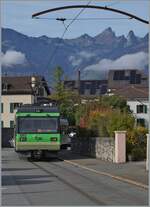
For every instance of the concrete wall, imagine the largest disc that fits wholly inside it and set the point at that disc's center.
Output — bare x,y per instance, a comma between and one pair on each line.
102,148
6,116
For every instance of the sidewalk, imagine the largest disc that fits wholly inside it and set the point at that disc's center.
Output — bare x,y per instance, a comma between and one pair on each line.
134,171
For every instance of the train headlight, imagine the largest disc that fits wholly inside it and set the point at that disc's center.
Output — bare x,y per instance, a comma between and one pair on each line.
23,139
53,139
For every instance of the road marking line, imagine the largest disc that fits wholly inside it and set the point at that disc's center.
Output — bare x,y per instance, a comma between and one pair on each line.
109,175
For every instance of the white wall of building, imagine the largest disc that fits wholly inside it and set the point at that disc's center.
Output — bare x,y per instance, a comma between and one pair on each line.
133,108
6,116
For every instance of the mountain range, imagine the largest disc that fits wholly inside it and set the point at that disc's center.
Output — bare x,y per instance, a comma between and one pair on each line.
22,54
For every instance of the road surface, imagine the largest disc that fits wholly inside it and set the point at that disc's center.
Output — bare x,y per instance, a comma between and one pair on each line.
56,182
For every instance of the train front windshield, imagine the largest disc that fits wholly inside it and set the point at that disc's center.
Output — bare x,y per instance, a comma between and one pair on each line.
38,125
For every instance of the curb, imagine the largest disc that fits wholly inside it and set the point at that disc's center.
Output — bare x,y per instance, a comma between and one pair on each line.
126,180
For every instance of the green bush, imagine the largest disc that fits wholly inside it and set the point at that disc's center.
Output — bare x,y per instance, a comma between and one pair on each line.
86,133
137,136
118,120
129,148
114,102
136,143
138,154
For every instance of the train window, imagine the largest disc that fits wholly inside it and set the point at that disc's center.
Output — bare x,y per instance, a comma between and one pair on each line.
37,125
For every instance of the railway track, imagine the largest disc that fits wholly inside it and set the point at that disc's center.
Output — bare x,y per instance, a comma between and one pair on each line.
64,181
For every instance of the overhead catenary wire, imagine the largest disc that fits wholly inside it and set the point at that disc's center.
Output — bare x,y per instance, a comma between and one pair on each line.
91,7
63,34
113,3
78,14
87,19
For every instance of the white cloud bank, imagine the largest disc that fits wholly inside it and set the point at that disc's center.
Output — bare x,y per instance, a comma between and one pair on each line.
75,61
131,61
81,56
11,58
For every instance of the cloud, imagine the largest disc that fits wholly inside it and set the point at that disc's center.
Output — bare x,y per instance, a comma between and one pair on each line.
75,61
81,56
131,61
11,58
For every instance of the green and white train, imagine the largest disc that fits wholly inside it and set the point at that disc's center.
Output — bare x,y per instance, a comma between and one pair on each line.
39,131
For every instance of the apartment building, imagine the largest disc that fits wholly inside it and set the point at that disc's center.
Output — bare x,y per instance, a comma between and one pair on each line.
118,79
17,91
87,87
133,86
137,100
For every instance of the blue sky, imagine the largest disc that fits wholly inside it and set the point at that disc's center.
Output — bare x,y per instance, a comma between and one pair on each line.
17,15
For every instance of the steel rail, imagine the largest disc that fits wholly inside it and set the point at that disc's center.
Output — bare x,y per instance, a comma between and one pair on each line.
69,184
132,16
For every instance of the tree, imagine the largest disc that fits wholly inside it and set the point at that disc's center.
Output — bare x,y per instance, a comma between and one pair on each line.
58,84
114,102
64,97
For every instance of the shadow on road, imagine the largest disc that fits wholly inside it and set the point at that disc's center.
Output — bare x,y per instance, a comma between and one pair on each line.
69,155
17,169
45,159
25,179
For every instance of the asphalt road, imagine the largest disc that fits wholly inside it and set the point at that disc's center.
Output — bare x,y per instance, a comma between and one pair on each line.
55,182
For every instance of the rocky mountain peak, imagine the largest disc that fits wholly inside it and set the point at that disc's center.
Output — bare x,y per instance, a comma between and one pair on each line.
131,38
107,36
86,36
108,32
131,34
146,37
43,37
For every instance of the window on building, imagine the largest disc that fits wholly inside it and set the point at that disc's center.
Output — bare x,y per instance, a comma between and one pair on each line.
2,124
14,106
103,89
93,91
133,77
2,107
87,86
126,77
141,122
138,78
4,86
41,91
119,75
141,109
11,108
11,124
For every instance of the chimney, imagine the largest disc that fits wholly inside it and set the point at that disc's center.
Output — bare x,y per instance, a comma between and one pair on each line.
78,81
